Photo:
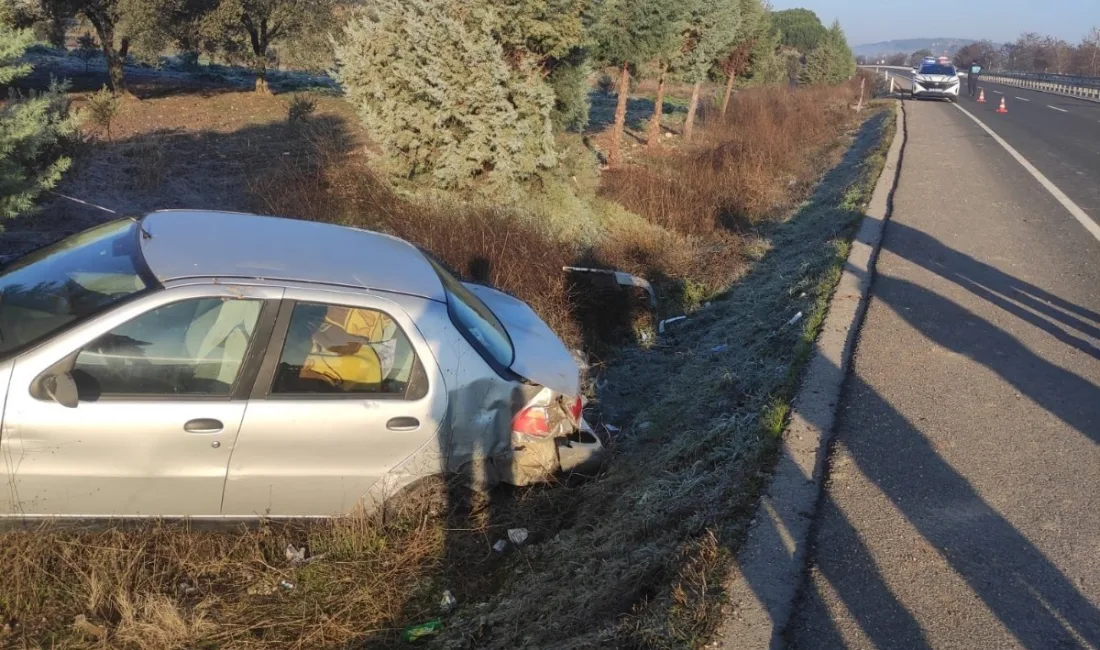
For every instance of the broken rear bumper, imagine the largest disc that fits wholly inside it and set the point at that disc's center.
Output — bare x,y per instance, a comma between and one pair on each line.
537,461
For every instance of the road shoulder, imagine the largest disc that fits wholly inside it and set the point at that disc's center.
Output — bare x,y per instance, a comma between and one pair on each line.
771,567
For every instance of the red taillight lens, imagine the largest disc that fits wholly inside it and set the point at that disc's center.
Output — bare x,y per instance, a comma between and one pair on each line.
576,410
532,421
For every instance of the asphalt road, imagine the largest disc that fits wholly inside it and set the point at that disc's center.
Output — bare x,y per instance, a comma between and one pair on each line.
1059,135
961,509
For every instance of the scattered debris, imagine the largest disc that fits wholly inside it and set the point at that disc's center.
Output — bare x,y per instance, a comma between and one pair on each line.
517,536
297,556
720,348
286,585
612,428
448,602
187,589
424,630
668,321
794,319
644,426
500,545
610,277
83,625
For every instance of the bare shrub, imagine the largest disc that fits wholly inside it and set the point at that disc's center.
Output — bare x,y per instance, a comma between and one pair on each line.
300,108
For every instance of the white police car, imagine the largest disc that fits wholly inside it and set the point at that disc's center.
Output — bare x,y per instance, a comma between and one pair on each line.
936,78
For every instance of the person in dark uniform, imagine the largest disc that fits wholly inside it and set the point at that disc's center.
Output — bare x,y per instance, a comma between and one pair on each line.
972,78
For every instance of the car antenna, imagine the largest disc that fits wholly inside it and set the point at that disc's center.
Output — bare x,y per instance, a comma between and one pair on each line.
144,233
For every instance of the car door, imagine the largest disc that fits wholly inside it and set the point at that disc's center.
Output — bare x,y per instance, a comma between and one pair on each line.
162,385
349,390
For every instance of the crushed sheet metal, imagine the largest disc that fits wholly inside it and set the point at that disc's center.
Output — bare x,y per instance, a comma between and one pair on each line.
621,278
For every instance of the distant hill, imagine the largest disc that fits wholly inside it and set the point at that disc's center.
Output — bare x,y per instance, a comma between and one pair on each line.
909,45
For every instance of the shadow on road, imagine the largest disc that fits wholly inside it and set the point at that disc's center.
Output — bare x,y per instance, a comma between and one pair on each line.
1031,596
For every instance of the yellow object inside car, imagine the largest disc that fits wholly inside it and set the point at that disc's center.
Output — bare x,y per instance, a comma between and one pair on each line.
342,354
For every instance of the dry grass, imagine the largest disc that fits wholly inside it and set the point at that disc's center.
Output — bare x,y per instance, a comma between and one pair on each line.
743,168
635,559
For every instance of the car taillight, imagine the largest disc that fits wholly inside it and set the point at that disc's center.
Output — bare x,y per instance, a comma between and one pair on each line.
532,421
576,410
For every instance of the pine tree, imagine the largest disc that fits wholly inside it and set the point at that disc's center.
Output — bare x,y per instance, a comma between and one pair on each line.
842,64
431,82
627,33
712,27
31,129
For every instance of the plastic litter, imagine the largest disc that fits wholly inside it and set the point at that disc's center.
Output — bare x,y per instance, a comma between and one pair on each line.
500,545
286,585
797,317
422,631
518,536
720,348
447,602
612,428
669,321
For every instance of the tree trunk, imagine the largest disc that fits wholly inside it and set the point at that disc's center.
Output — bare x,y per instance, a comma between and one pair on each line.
116,59
116,71
689,123
729,91
654,135
614,156
261,78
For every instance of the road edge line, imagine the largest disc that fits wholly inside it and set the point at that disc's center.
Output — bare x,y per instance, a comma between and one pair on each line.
771,567
1082,217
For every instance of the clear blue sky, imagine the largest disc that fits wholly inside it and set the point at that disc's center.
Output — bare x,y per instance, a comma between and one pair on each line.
871,21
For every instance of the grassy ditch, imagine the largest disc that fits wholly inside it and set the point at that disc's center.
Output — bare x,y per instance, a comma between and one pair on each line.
633,559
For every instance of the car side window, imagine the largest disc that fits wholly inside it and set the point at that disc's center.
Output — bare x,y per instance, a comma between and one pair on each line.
187,348
340,350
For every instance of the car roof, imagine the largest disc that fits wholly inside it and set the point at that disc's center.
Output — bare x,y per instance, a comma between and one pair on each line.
192,243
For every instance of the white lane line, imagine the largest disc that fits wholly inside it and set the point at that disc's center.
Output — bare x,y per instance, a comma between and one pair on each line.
1057,109
1059,195
998,92
1023,99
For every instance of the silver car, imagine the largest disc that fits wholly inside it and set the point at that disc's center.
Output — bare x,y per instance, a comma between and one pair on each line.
211,364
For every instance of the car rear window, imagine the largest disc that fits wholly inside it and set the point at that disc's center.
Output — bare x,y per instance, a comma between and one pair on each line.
478,324
935,68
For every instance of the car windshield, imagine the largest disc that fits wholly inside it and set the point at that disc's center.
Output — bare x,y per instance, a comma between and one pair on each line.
936,68
478,323
54,286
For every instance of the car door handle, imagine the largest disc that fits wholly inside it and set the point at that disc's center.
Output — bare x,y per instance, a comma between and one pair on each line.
203,425
403,424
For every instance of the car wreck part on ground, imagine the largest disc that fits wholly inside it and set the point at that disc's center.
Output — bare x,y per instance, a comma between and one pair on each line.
668,321
612,279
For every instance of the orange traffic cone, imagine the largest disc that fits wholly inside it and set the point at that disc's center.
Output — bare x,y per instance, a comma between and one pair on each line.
981,96
1002,108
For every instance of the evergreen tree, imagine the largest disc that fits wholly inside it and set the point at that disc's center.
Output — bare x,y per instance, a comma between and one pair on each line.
31,129
712,27
431,81
627,33
800,29
842,63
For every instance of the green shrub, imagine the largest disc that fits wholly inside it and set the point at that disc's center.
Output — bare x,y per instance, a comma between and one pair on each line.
102,108
32,131
434,89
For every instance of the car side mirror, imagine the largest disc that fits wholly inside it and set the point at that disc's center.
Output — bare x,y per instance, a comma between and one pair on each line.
62,389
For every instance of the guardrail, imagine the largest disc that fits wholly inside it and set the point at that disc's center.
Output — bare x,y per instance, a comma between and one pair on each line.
1085,87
